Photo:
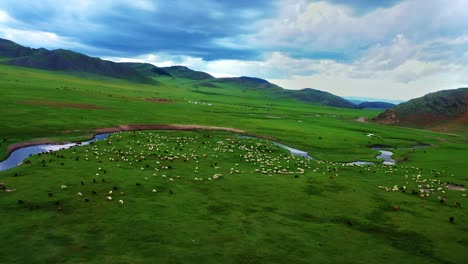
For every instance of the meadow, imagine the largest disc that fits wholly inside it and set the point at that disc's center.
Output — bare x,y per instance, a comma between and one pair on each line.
211,197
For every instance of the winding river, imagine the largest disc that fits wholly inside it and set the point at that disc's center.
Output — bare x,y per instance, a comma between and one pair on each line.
18,156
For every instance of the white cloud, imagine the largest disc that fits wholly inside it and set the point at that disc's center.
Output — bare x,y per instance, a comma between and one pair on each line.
311,26
377,88
217,68
399,52
47,39
398,70
144,5
5,17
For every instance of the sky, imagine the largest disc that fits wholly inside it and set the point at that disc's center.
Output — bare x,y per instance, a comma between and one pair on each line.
382,49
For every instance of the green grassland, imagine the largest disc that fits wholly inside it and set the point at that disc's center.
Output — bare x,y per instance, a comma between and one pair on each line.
330,213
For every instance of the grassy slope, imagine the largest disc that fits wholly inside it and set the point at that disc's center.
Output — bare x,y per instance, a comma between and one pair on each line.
333,136
440,111
65,60
244,217
257,218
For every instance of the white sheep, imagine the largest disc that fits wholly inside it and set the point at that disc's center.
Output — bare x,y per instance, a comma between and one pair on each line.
121,202
109,198
64,187
80,194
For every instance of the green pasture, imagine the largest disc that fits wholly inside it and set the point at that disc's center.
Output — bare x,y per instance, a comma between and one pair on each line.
265,206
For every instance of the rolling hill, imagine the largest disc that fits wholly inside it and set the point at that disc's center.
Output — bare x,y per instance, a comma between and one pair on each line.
153,71
442,111
249,83
77,63
147,69
306,95
11,49
68,61
243,83
184,72
314,96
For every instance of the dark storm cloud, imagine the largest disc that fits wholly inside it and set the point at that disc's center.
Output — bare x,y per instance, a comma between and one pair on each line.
131,28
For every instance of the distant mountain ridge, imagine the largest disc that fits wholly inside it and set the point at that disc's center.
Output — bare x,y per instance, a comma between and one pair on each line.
443,111
184,72
318,97
249,82
358,100
307,95
11,49
178,71
65,60
73,62
375,105
147,69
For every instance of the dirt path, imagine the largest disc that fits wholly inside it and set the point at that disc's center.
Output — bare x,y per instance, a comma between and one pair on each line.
19,145
165,127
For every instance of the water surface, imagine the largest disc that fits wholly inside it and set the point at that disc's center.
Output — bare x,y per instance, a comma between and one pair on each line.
19,155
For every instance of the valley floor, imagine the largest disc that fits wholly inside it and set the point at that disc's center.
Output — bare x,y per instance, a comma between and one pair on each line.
192,197
210,196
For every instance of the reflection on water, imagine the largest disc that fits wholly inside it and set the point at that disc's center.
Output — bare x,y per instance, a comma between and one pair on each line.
17,156
386,156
